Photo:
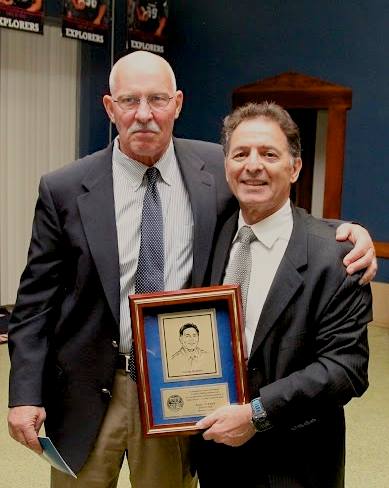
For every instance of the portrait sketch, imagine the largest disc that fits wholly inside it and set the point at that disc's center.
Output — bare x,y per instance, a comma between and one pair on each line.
189,345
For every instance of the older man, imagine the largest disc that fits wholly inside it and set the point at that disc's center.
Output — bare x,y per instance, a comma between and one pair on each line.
305,321
137,216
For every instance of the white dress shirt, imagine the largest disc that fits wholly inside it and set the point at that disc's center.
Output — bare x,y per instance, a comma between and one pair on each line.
129,187
273,234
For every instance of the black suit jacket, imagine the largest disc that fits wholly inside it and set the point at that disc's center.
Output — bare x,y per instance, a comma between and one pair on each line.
309,358
64,329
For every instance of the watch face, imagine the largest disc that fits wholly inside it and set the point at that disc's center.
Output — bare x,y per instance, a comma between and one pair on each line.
261,423
259,416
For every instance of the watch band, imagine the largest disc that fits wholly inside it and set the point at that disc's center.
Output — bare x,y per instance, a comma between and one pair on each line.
259,418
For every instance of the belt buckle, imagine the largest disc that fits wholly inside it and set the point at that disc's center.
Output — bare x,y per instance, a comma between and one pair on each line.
127,363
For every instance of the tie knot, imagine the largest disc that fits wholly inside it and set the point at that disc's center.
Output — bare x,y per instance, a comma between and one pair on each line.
152,175
246,235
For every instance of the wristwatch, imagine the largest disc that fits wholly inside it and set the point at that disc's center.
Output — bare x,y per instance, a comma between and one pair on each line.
259,418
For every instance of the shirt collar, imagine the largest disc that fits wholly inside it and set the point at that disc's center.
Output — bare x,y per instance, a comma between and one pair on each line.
278,225
195,354
135,171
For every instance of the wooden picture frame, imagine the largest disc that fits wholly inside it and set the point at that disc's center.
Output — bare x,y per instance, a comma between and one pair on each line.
190,355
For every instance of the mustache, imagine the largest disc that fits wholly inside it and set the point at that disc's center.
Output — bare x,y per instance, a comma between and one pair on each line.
150,126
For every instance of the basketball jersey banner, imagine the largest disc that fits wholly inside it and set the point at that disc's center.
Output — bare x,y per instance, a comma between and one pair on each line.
147,25
24,15
86,20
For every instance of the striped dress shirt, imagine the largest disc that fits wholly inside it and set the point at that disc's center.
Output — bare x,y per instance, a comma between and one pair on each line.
129,187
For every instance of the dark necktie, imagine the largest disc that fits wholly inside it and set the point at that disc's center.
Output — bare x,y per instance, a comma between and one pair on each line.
239,268
149,275
150,271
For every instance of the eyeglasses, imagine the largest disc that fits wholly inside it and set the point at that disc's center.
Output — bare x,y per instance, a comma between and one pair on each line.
155,102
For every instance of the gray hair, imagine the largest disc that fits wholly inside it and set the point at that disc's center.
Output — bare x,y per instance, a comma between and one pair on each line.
267,110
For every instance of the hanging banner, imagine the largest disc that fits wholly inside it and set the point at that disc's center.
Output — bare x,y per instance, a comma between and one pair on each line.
24,15
147,25
86,20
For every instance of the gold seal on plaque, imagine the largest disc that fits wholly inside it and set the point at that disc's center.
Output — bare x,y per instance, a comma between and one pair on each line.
175,402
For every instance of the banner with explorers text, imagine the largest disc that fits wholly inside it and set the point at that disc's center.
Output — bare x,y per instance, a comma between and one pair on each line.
147,25
23,15
86,20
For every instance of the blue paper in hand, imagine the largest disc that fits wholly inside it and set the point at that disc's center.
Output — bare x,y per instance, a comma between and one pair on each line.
53,457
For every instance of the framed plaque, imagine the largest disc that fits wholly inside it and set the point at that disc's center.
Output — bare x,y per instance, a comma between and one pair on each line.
190,355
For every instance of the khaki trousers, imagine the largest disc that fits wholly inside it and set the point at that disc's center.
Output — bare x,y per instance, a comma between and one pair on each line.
160,462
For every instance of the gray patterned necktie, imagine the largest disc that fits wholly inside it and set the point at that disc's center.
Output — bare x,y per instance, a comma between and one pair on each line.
149,275
239,268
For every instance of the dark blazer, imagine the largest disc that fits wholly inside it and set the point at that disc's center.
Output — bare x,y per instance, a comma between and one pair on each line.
309,358
64,330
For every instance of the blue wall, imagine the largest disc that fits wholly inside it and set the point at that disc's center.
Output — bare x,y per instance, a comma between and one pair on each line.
220,45
94,123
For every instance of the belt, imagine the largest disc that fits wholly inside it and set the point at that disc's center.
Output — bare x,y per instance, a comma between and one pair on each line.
123,362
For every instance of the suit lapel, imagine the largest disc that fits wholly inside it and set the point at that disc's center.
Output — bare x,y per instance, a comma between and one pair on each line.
97,210
202,195
222,248
287,281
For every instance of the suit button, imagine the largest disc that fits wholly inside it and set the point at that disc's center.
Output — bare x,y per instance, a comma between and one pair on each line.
115,344
106,392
